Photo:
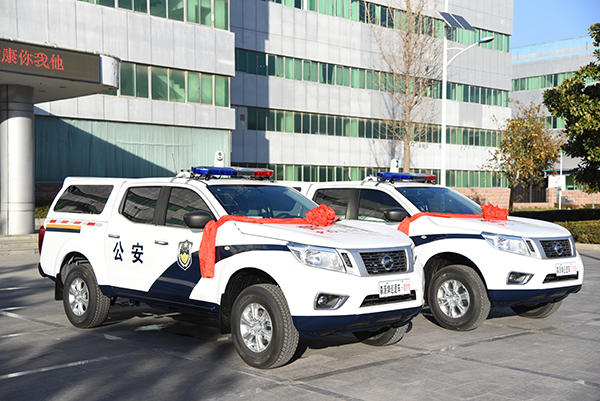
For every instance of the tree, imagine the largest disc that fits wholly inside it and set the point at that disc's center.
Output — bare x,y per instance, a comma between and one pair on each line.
410,45
577,100
526,148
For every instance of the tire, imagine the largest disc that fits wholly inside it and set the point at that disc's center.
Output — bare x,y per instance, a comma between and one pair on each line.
84,303
262,329
538,311
458,298
381,337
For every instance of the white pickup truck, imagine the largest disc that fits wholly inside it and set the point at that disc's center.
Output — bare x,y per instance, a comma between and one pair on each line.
471,261
197,242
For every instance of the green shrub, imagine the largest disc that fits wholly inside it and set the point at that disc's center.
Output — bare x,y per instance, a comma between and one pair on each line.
584,232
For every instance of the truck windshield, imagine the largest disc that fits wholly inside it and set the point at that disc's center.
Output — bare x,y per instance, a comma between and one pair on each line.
439,200
262,201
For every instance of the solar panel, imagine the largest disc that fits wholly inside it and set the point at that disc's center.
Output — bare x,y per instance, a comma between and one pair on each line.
450,20
463,22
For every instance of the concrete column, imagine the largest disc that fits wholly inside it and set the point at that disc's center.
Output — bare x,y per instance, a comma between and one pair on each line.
17,160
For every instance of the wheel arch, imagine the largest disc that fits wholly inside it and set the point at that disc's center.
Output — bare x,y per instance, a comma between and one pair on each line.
239,281
441,260
65,267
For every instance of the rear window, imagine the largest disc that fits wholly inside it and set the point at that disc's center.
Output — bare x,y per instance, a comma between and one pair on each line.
88,199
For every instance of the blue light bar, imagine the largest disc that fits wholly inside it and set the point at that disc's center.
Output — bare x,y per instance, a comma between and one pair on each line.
233,172
214,171
412,177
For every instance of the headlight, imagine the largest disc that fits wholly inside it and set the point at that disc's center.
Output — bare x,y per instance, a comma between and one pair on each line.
507,243
325,258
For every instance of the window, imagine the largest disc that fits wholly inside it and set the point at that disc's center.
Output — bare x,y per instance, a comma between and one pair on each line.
140,203
177,86
89,199
193,87
182,201
158,8
160,84
205,12
127,79
337,199
141,81
207,89
193,11
176,10
221,91
373,203
222,14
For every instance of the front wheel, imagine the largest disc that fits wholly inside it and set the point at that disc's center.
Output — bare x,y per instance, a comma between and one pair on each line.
262,329
381,337
84,303
458,298
538,311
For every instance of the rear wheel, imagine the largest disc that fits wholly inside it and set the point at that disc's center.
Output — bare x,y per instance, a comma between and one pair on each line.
381,337
84,303
458,298
263,332
538,311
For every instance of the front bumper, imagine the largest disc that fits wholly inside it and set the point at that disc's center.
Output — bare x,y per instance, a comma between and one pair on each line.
524,297
317,326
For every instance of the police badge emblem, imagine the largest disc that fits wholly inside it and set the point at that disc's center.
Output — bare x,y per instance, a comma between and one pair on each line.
184,257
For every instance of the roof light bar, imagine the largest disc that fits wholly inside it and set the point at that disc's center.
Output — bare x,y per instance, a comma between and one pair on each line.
412,177
233,172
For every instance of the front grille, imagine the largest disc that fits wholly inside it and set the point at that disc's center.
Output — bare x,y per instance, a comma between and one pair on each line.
384,262
373,300
553,278
560,248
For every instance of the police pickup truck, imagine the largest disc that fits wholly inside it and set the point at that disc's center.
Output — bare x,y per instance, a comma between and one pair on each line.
472,260
263,259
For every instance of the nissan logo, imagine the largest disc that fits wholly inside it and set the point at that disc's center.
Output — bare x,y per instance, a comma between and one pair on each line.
388,262
560,248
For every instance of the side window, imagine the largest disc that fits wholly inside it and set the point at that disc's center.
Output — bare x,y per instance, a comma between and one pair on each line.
89,199
373,203
140,204
182,201
337,199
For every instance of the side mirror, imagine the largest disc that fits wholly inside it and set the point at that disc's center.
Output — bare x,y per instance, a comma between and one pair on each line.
197,219
395,214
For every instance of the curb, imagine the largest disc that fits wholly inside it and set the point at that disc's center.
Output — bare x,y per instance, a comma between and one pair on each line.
588,247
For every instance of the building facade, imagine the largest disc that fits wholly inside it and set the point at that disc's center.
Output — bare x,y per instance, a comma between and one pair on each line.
539,67
310,104
172,108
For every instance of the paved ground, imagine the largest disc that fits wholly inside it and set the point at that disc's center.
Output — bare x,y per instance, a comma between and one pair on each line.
140,354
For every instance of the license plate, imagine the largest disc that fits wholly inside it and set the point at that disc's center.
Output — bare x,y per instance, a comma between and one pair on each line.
394,287
565,269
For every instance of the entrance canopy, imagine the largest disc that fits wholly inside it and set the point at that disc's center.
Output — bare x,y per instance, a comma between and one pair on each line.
33,73
56,73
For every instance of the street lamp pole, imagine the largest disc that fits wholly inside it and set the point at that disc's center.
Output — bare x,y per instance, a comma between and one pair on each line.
446,63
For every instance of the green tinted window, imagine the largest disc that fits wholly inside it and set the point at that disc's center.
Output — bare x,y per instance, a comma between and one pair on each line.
177,86
158,8
193,87
222,14
221,91
207,89
193,11
127,79
205,12
176,10
160,83
141,81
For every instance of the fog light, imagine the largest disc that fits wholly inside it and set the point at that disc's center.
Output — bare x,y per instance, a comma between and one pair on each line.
518,278
329,301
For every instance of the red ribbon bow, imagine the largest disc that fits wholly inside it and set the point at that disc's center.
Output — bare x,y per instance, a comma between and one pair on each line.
490,212
320,216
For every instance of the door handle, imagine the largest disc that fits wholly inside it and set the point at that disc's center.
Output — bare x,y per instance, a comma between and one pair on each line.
161,242
113,236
